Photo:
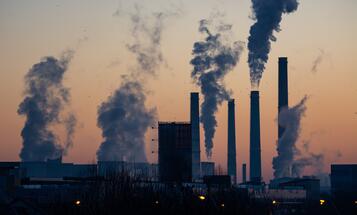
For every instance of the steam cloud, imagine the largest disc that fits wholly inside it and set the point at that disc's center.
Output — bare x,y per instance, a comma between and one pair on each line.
43,106
290,119
212,59
123,118
311,159
124,121
267,15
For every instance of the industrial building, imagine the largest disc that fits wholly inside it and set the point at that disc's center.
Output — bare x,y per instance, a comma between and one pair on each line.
344,180
307,183
207,168
175,152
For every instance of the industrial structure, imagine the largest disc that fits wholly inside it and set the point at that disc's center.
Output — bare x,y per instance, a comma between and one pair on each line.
283,93
255,152
231,158
195,132
175,152
283,99
344,180
244,173
207,168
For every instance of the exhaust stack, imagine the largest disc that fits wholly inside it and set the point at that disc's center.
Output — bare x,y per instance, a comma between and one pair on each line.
255,154
282,89
244,173
231,161
195,131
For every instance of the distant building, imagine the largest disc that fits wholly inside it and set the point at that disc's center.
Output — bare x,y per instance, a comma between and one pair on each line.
175,152
310,184
217,180
56,169
344,180
207,168
10,176
143,170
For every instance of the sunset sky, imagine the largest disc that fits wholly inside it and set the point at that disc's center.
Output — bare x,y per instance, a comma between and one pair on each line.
98,31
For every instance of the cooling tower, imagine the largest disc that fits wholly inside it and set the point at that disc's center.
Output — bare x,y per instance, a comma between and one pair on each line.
282,89
255,156
195,126
231,160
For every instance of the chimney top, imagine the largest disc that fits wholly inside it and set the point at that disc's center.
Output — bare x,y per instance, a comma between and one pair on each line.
285,59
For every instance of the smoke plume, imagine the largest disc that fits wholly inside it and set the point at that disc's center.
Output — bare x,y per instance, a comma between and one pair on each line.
212,59
267,15
43,106
317,61
290,120
311,159
123,118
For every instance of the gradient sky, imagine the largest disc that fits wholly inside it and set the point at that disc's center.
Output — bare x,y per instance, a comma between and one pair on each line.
32,29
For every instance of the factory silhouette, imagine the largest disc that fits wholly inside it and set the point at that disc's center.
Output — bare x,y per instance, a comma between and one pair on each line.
180,173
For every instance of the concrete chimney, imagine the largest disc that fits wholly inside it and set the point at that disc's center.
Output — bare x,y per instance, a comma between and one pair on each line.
282,89
231,160
244,173
255,155
195,132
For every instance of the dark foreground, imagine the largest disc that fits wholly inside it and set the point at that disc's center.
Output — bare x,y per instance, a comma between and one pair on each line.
125,195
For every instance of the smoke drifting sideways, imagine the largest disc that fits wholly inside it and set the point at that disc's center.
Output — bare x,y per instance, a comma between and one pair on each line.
290,120
45,101
267,15
124,118
212,59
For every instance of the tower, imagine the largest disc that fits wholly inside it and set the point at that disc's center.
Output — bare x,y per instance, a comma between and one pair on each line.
195,132
282,89
231,159
255,154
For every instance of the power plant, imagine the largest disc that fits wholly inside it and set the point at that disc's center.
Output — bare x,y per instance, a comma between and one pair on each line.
231,148
179,161
255,152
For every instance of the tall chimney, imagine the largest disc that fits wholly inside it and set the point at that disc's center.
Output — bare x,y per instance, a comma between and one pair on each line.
244,172
255,156
282,89
195,131
231,161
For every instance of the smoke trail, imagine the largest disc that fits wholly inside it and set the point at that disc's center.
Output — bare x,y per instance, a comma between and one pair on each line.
148,57
70,123
212,59
45,99
290,119
317,61
267,15
123,118
314,160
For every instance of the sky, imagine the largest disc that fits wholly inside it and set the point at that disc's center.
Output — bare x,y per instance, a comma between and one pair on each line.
327,29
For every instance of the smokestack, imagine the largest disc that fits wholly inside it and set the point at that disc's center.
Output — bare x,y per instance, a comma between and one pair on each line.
255,157
195,131
231,161
244,173
283,89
